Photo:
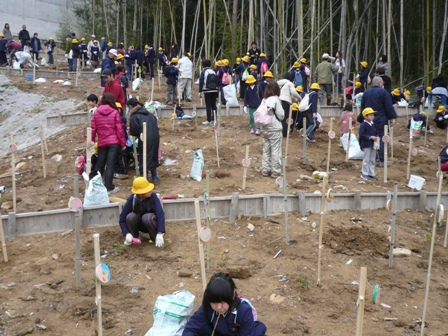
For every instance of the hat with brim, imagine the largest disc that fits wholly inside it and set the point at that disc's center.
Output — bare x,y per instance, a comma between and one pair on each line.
250,79
141,186
113,52
367,111
441,108
106,72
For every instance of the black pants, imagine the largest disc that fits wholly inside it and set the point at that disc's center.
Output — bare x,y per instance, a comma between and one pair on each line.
2,58
286,107
147,223
107,157
210,104
243,87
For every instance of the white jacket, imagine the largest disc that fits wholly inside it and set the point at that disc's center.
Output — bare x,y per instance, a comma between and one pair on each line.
288,91
278,116
185,68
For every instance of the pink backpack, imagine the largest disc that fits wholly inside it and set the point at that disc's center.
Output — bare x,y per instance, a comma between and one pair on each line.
264,67
226,78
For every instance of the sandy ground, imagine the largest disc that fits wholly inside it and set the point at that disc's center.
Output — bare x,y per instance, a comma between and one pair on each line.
329,309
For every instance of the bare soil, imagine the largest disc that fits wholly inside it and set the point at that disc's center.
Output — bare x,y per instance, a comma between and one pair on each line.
37,286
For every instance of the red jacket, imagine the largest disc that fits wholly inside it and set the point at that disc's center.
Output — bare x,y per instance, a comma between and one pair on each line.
107,124
115,88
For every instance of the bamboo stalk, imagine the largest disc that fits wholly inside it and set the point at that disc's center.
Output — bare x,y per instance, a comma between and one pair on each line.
321,226
13,172
329,146
347,153
145,146
200,244
361,301
3,242
245,168
394,217
96,243
207,209
408,168
386,144
304,139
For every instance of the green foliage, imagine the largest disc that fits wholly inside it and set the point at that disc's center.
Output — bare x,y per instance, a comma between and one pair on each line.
303,281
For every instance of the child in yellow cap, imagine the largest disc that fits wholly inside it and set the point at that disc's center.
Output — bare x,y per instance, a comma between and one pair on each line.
368,141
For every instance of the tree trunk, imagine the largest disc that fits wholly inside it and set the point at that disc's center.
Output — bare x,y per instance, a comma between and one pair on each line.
125,31
300,26
250,32
234,22
401,42
389,38
184,18
442,44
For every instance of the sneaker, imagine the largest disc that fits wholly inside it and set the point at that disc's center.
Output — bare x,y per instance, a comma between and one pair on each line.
113,191
155,178
275,175
266,174
252,131
310,140
381,164
120,176
206,123
169,103
373,177
257,131
430,131
365,177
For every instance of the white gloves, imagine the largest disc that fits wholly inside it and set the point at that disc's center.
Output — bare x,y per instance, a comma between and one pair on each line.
128,240
159,240
245,109
445,116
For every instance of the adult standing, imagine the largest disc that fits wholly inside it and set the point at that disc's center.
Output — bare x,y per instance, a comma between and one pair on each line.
288,93
35,45
139,115
103,46
113,86
108,128
7,32
109,63
90,45
185,76
140,58
339,64
210,90
24,36
387,81
380,101
254,53
324,77
151,58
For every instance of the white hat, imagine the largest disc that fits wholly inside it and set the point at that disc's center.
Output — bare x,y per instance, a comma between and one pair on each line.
325,56
93,36
113,52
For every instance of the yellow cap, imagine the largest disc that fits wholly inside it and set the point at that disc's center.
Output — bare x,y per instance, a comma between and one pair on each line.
225,62
238,60
50,38
441,108
303,60
268,74
122,43
189,54
246,59
1,35
262,55
160,49
117,104
174,60
299,88
423,112
296,65
146,46
428,89
83,38
116,62
74,41
396,92
119,56
250,79
364,64
367,111
358,84
253,67
141,186
295,106
407,93
315,86
95,41
110,44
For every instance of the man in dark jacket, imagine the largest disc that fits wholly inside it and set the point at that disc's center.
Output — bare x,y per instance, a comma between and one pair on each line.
24,35
109,63
380,101
150,59
140,57
35,46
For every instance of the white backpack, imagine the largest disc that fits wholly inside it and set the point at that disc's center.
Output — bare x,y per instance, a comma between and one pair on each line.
305,103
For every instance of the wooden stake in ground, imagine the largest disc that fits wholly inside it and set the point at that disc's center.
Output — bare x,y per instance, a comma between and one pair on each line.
321,226
331,135
134,147
446,140
13,149
304,139
145,146
426,131
207,211
285,199
289,122
174,115
200,244
216,136
431,252
43,134
159,76
408,168
152,89
75,205
42,148
391,133
34,69
246,164
89,147
361,301
349,139
386,140
96,244
3,242
446,230
394,216
77,72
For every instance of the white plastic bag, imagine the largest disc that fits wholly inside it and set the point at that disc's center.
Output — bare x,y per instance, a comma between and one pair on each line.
402,102
171,313
136,83
230,95
96,192
355,151
198,165
16,65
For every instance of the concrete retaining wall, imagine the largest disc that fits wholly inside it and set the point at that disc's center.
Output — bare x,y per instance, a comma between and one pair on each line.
49,74
221,207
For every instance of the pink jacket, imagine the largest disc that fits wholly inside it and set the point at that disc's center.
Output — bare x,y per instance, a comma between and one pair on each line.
107,124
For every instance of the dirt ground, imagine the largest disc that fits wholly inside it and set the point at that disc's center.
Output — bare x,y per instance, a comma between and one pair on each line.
42,267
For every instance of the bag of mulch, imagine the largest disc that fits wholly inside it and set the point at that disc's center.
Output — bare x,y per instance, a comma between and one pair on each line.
230,95
355,151
198,165
171,313
96,192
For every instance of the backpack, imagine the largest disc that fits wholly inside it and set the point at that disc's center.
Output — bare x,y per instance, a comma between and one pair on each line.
254,311
165,71
261,115
264,67
307,71
226,78
298,80
305,103
245,74
179,111
443,155
211,81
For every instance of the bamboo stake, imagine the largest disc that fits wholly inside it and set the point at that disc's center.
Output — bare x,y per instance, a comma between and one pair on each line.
433,238
321,226
408,168
89,150
394,217
134,148
287,134
145,146
96,244
207,210
216,137
34,69
391,134
13,172
347,153
245,168
78,220
3,242
446,141
386,144
42,150
152,88
304,140
361,301
43,134
77,72
200,244
446,227
285,200
330,134
426,131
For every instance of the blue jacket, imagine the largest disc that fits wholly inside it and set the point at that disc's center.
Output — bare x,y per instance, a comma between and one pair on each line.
313,102
238,69
103,45
365,132
151,56
107,63
251,98
171,74
363,76
149,205
380,101
139,56
240,322
35,44
75,50
3,42
261,87
161,56
260,61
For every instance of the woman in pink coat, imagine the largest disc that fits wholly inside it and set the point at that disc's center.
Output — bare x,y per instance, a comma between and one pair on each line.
108,127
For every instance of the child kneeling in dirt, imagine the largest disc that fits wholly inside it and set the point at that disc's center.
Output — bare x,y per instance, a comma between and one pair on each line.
223,312
142,212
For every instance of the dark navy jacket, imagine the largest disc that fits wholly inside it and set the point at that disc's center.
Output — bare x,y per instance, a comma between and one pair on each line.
148,206
35,44
151,56
313,101
171,75
365,132
261,87
239,322
139,56
75,50
238,69
3,42
260,61
418,117
107,63
251,98
363,76
380,101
